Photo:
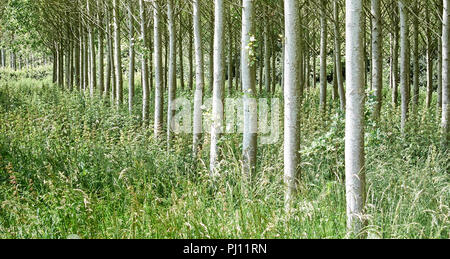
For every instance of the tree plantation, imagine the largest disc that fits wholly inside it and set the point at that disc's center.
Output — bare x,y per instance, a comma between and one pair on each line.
224,119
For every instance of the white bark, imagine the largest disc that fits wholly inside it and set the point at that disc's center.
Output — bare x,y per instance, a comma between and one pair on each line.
92,68
291,99
144,64
131,56
172,77
323,55
354,126
249,88
158,70
118,58
404,62
199,77
445,74
377,56
218,89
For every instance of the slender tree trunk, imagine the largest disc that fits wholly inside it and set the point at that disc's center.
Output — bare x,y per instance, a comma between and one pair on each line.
109,57
92,67
158,70
230,55
429,59
144,68
446,74
180,55
354,126
131,56
440,66
77,63
415,23
199,78
395,78
101,54
172,70
292,100
118,60
323,55
266,56
218,89
211,60
249,87
404,62
377,57
191,58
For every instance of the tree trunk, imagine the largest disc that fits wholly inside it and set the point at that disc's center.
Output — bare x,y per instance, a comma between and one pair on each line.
218,89
92,67
158,70
249,87
172,80
354,126
266,56
101,54
404,62
292,100
144,68
429,59
445,74
199,78
377,57
415,27
323,55
118,59
230,56
131,56
180,55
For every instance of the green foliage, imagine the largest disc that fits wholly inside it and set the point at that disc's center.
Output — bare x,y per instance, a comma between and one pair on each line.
73,165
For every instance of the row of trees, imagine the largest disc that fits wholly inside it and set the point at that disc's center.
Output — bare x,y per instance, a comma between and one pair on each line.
251,47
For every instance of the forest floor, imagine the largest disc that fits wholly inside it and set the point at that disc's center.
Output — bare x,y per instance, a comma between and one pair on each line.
73,165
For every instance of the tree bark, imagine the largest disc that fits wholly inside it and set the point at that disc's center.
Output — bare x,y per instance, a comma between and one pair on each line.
172,80
218,89
323,55
199,78
158,70
377,57
131,56
292,100
404,62
144,64
249,87
118,60
445,74
354,126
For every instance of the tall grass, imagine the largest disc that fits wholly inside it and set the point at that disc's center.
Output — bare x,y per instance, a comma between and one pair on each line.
72,165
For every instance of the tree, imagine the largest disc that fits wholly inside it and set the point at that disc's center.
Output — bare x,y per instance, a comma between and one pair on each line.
144,64
445,74
118,57
172,80
131,55
292,100
218,89
249,88
404,62
323,55
377,56
354,121
157,48
199,77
